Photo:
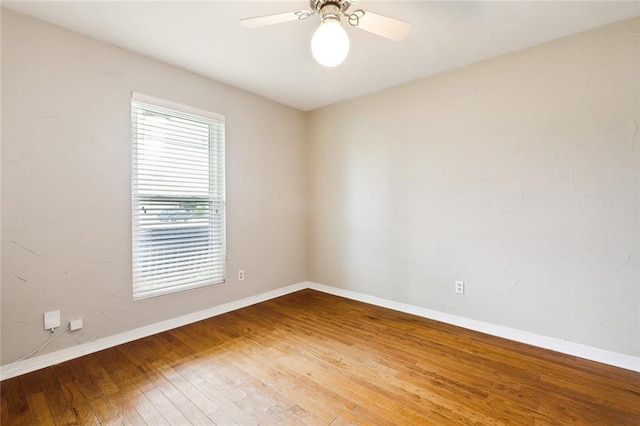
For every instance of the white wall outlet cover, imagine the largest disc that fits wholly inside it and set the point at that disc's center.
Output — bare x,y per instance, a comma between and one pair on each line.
76,324
51,320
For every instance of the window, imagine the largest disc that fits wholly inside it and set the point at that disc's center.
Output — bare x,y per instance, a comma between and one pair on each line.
178,198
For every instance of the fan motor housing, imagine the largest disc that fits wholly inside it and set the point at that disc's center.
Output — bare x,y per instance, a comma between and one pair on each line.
318,5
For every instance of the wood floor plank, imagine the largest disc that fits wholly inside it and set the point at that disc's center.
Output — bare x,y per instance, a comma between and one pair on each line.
285,417
4,409
204,403
226,404
125,410
59,405
133,384
319,368
166,407
175,406
39,408
290,386
309,358
17,407
377,373
84,413
84,385
147,411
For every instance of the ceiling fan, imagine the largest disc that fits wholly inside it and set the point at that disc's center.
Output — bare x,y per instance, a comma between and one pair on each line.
330,42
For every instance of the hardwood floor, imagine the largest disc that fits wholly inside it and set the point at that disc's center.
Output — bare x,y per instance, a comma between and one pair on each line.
311,358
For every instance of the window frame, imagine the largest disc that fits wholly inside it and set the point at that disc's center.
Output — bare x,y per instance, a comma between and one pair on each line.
216,197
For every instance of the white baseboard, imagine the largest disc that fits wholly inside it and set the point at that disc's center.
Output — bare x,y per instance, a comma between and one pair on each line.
594,354
46,360
570,348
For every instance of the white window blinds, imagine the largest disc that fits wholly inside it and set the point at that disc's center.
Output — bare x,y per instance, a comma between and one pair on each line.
178,197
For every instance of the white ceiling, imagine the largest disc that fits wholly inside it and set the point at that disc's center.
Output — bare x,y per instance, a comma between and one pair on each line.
206,38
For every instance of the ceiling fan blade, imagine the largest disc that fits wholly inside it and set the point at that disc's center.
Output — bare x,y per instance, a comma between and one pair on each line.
261,21
391,28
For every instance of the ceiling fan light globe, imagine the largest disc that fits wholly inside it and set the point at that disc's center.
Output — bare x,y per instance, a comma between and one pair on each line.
330,43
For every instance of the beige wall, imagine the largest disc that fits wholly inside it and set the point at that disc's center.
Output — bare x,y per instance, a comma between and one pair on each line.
66,226
517,175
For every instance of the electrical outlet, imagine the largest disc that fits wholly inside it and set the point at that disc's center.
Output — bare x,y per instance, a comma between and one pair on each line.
460,287
241,275
51,320
76,324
